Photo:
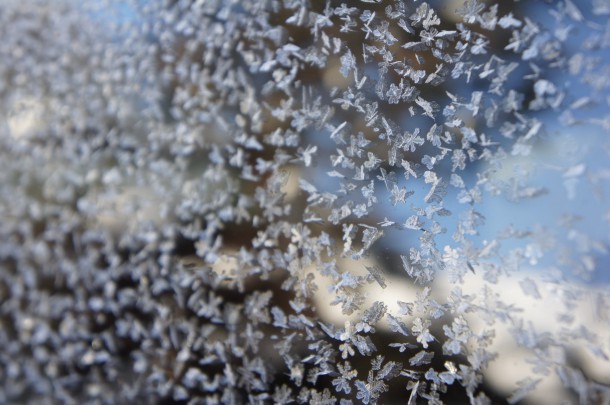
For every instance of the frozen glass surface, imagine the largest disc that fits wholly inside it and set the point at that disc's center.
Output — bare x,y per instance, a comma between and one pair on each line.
298,201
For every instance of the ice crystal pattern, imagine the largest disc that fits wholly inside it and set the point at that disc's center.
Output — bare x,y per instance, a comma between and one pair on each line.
298,201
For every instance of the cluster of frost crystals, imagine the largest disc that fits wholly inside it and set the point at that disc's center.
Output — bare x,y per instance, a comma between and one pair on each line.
299,201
